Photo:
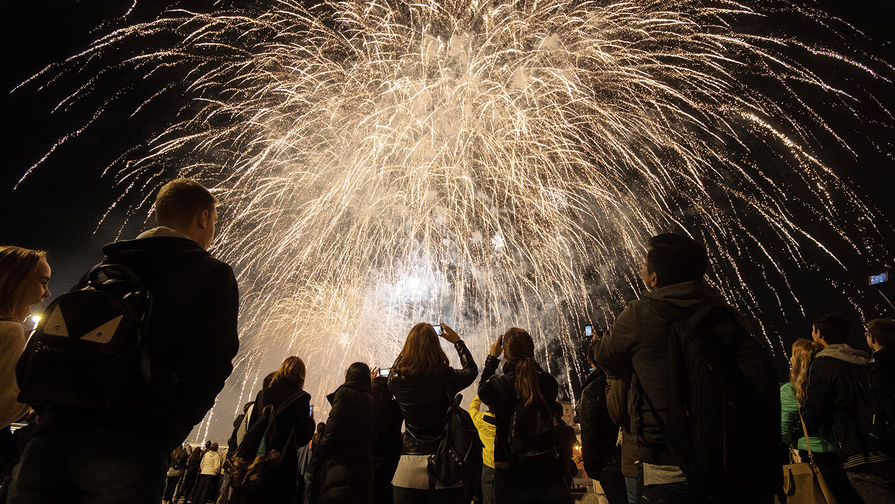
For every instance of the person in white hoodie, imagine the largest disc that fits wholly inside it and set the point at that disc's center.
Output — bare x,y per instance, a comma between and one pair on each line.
210,470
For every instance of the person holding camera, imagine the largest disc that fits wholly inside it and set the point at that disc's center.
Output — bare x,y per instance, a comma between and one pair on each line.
424,384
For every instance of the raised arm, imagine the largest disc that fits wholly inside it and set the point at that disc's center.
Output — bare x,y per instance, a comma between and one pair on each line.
464,376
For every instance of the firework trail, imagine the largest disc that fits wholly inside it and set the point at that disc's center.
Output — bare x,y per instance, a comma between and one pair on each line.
487,163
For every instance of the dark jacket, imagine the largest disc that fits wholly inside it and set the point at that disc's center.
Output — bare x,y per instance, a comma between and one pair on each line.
387,449
195,306
231,441
283,486
345,451
424,400
499,393
295,418
839,388
388,422
637,346
598,434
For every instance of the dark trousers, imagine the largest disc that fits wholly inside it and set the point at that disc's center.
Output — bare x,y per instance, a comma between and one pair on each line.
680,493
383,471
874,482
85,466
414,496
613,482
170,486
510,489
831,469
187,484
206,488
488,485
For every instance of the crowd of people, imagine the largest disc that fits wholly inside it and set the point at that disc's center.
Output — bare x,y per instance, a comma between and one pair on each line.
681,403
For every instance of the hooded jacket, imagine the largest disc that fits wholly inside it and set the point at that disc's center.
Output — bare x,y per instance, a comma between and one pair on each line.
345,451
837,398
192,337
637,346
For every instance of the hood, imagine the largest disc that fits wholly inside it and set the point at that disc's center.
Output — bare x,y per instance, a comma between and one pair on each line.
154,252
688,295
845,353
360,387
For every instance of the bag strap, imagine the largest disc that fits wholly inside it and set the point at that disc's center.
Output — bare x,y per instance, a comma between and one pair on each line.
282,407
807,440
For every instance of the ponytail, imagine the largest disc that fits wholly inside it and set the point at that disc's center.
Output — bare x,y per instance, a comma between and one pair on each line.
519,348
527,386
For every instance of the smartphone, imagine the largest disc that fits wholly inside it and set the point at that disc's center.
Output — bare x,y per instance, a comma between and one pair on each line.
588,330
383,371
878,279
311,411
437,328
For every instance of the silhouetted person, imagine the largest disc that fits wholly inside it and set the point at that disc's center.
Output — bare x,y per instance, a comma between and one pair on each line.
424,384
195,303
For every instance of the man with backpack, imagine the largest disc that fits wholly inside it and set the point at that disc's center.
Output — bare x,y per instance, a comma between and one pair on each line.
843,397
691,363
115,449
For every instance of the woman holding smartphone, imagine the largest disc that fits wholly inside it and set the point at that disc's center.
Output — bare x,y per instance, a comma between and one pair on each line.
424,385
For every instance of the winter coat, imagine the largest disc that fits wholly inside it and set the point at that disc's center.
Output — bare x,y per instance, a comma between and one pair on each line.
387,449
233,440
599,434
837,380
425,399
637,346
388,422
211,463
195,305
295,419
345,451
791,426
283,485
499,393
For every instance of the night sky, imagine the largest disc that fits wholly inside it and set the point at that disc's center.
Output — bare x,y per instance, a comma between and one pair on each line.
58,206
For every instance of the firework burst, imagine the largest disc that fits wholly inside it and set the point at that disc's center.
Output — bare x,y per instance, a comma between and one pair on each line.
488,163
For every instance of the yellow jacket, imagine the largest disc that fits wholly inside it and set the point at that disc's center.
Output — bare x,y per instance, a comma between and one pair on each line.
485,424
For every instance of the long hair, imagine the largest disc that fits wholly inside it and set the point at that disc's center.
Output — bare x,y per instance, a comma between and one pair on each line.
358,372
520,349
17,266
422,354
803,352
292,369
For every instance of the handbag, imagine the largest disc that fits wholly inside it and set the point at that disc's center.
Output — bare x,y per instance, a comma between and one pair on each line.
802,481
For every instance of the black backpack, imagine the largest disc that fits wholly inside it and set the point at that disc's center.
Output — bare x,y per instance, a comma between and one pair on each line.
540,442
89,347
723,418
459,452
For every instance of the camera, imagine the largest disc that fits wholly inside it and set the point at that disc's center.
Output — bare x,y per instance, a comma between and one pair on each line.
588,330
437,328
383,371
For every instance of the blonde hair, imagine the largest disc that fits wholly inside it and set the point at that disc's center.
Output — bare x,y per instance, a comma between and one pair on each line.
520,349
422,354
803,353
17,266
292,369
